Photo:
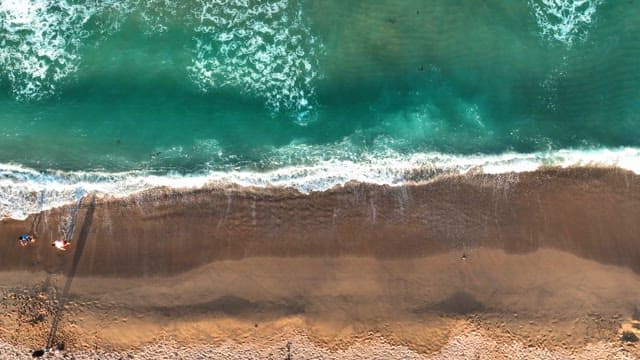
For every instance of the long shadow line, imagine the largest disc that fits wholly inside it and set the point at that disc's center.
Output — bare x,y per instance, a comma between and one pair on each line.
82,239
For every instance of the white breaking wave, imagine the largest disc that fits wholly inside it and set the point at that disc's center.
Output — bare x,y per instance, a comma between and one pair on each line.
25,191
39,43
262,48
564,20
40,40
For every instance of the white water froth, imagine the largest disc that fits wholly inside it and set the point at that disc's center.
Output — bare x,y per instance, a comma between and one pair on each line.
25,191
564,20
40,40
262,48
39,43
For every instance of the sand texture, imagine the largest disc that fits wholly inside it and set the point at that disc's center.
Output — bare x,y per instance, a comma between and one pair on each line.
533,265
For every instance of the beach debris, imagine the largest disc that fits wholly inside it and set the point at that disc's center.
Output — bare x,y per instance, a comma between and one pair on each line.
629,336
38,353
41,352
288,350
38,318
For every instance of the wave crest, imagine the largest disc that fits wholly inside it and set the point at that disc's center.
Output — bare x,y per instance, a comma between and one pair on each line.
25,191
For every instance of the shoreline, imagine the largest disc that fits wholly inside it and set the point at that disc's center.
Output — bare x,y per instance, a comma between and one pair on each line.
564,209
548,260
25,191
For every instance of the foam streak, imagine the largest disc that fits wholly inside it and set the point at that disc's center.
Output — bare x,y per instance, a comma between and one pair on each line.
26,191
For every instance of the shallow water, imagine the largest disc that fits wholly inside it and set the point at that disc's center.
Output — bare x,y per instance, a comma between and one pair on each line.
195,87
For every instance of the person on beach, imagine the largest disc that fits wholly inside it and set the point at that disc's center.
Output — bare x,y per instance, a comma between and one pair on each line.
26,239
61,244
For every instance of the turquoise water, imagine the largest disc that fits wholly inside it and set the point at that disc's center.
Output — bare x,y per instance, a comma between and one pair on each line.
192,87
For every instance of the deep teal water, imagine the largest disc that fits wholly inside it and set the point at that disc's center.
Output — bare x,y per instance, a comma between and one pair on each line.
195,85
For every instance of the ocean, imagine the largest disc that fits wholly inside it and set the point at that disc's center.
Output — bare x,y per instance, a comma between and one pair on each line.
115,97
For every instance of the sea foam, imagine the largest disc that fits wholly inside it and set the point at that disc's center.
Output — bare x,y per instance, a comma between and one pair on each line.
39,43
263,49
25,191
564,20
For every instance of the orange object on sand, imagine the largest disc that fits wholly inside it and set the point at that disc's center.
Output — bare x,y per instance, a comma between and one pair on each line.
61,244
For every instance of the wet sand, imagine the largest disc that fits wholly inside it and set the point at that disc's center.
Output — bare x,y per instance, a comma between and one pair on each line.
543,264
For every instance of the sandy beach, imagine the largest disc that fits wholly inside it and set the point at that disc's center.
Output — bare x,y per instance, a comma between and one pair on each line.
293,179
532,265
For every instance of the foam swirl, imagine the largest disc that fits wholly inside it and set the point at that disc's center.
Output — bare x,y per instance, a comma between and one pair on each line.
262,48
564,20
39,42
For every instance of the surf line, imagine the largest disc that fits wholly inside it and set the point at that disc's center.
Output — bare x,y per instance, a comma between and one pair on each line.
82,239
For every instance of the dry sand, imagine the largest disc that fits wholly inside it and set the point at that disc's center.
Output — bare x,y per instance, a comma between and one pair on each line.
535,265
